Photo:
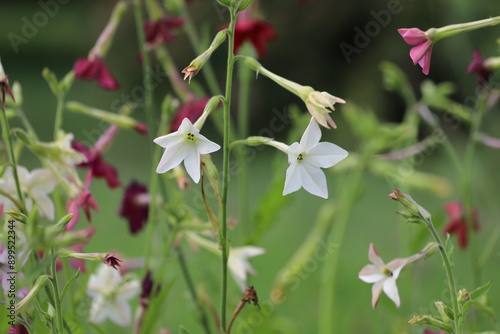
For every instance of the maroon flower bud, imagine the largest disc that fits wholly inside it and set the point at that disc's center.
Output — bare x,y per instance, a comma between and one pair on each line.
95,69
112,261
160,31
135,206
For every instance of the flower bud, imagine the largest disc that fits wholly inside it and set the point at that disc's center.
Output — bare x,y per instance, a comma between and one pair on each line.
428,320
445,312
17,216
40,283
413,209
430,249
463,296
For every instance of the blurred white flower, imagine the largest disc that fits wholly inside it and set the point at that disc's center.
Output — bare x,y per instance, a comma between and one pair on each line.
111,294
306,160
186,144
239,265
36,185
384,276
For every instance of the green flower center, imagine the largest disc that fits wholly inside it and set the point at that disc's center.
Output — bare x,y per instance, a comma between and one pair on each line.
300,158
190,137
387,272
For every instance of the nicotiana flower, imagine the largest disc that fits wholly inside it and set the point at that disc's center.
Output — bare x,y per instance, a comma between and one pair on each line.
135,206
83,200
384,276
111,294
422,51
186,144
306,160
479,67
458,224
4,86
191,110
90,69
257,31
160,31
239,265
36,185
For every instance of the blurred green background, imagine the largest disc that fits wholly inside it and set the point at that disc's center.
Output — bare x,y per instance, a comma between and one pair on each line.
306,51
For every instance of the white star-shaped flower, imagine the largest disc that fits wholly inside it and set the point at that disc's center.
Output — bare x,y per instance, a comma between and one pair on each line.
111,293
384,276
306,160
36,185
239,265
186,144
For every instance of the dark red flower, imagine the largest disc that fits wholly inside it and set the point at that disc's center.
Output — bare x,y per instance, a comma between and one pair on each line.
4,87
258,32
99,168
135,206
84,200
457,223
112,261
95,69
191,110
477,66
18,329
160,31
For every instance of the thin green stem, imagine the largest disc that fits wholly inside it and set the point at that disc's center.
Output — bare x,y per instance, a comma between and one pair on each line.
449,275
243,115
327,296
225,169
59,112
146,69
12,158
192,291
57,298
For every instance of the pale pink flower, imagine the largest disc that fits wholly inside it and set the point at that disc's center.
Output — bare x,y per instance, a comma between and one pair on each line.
422,51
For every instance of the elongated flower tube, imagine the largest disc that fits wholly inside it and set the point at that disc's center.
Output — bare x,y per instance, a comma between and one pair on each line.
319,104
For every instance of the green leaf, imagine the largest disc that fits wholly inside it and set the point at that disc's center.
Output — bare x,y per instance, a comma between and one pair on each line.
70,281
183,330
475,295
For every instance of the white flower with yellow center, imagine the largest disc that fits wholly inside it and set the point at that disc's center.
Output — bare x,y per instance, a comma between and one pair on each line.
186,144
306,160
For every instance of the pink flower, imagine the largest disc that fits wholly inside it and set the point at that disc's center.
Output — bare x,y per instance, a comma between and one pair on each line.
89,69
112,261
191,110
477,66
258,32
421,52
426,331
99,168
84,200
160,31
135,206
457,223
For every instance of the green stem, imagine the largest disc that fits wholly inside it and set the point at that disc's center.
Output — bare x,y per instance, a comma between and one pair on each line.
225,169
192,291
12,158
243,113
146,69
59,113
57,298
327,296
449,274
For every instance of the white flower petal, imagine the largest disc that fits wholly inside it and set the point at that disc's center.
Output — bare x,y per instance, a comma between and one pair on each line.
172,157
293,152
129,290
120,313
206,146
325,155
293,181
374,257
46,206
98,311
171,139
371,274
192,164
41,181
376,292
313,179
311,136
391,290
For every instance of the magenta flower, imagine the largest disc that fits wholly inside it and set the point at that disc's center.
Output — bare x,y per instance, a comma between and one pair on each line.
191,110
84,200
457,223
478,66
426,331
160,31
90,69
112,261
421,52
135,206
99,168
